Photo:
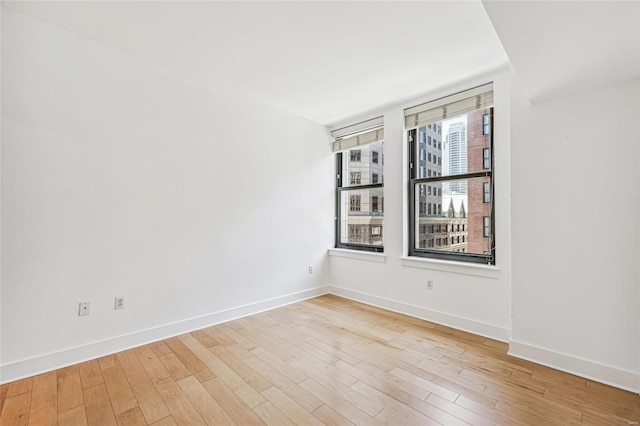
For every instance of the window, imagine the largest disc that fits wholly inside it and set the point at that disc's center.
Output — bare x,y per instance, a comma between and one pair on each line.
359,185
487,192
486,124
354,203
376,204
356,177
461,177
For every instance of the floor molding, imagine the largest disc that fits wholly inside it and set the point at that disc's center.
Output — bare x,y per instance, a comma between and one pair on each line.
454,321
591,370
52,361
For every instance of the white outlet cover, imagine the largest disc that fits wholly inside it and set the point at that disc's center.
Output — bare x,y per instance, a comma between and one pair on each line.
118,303
84,308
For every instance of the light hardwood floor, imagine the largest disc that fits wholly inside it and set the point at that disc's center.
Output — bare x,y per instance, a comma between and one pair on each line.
326,360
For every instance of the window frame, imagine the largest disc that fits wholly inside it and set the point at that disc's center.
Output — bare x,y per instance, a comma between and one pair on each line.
486,226
413,181
486,195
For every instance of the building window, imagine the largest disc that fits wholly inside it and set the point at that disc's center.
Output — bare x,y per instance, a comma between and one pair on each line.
354,203
486,158
359,186
486,198
356,177
374,204
461,177
423,135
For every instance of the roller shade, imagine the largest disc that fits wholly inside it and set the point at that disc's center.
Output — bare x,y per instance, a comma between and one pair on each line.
358,134
451,106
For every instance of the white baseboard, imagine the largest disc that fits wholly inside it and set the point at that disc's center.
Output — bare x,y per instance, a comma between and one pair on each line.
52,361
584,368
454,321
608,375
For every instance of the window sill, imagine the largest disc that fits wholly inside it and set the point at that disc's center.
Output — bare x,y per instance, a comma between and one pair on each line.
359,255
487,271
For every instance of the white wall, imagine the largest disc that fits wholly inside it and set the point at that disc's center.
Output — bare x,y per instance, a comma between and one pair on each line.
118,180
474,298
575,232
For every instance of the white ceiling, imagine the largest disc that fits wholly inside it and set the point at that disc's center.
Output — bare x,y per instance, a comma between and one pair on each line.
330,61
326,61
561,47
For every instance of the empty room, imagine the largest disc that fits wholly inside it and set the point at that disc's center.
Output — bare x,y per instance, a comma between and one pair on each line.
273,213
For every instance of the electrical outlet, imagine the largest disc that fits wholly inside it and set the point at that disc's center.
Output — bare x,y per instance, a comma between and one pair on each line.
118,303
84,308
430,285
310,269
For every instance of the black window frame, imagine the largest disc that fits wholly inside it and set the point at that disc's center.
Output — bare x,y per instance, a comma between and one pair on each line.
482,258
486,158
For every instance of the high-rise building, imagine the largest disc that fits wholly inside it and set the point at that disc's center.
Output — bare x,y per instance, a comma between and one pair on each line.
479,190
364,208
456,147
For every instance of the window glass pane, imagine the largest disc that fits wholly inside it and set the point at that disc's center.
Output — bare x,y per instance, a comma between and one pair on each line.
453,209
361,216
460,146
360,166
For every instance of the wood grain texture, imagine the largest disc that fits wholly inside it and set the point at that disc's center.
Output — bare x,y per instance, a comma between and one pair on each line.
327,361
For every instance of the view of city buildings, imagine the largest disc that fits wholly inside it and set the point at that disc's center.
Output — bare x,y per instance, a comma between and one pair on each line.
362,210
454,215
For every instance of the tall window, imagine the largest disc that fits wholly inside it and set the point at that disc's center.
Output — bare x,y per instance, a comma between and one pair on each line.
360,185
461,185
356,178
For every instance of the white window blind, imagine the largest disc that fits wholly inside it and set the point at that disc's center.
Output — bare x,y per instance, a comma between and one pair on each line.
451,106
358,134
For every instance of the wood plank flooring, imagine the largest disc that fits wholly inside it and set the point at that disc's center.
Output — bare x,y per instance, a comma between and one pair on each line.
326,360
